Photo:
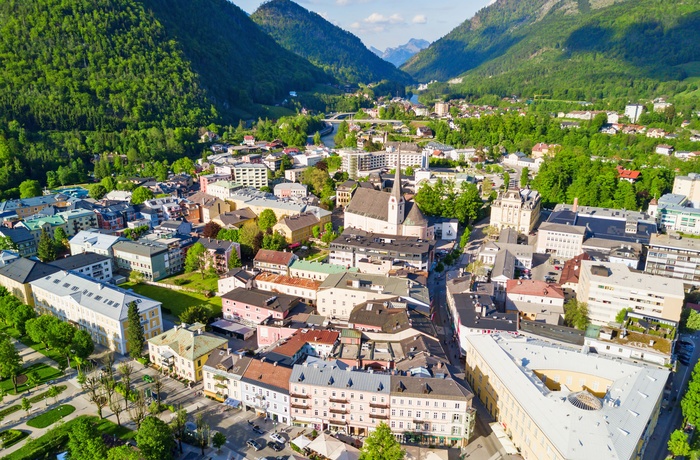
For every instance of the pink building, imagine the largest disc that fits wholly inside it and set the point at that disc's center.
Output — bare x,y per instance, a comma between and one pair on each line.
254,306
210,179
267,335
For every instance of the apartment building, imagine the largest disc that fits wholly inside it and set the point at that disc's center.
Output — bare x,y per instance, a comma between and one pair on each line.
22,239
254,306
608,288
250,175
223,189
265,389
688,186
95,266
18,276
300,227
562,241
99,308
150,259
183,350
36,225
517,209
220,252
674,257
316,270
290,190
331,395
77,220
222,374
559,403
535,300
304,288
355,245
271,261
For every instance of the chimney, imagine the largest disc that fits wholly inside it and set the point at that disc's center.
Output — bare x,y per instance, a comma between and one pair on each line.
575,208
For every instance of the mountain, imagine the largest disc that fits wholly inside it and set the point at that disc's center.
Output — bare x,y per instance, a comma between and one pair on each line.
112,64
570,49
376,51
335,50
403,53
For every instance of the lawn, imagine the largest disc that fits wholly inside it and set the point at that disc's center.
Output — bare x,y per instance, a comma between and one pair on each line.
173,301
40,347
11,437
194,281
43,371
51,416
55,440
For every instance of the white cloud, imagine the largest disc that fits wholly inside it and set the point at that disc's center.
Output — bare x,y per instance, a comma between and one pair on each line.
419,19
378,18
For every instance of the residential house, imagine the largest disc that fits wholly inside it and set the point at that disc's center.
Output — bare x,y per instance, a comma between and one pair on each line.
99,308
254,306
235,219
77,220
210,206
93,241
90,264
274,261
570,275
23,240
535,300
343,193
17,277
630,176
266,390
316,270
290,190
299,227
297,287
664,149
236,278
184,349
220,252
222,374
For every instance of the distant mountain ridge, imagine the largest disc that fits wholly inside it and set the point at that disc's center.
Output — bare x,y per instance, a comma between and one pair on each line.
329,47
403,53
571,49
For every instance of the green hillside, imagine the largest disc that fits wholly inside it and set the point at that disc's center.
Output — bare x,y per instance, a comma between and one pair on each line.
110,64
573,50
337,51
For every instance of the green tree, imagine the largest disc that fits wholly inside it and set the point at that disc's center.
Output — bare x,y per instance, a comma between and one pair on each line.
692,322
678,444
195,314
46,249
10,361
141,194
183,165
195,257
381,445
228,234
85,441
155,439
477,268
274,241
60,237
39,329
26,405
6,243
316,231
82,344
250,238
233,260
97,191
317,138
464,239
125,452
202,432
19,315
576,314
178,426
620,317
29,189
506,181
266,220
219,439
33,379
53,392
524,177
134,334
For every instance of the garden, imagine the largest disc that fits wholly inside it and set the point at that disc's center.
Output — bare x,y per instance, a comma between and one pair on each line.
175,302
51,416
31,377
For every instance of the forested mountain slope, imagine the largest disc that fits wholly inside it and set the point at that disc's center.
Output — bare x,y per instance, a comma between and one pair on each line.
324,44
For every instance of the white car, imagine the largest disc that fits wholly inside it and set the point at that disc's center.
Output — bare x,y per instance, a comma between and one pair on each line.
277,438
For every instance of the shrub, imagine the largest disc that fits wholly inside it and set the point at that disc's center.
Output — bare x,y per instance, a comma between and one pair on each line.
9,410
181,281
11,437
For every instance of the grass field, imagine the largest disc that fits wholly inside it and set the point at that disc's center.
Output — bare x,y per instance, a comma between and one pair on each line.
56,439
51,416
40,347
175,301
194,281
43,371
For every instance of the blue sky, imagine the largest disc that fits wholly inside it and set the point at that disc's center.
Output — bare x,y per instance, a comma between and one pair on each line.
389,23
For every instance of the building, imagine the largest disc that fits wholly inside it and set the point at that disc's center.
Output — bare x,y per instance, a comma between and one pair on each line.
560,240
316,270
93,241
266,390
235,278
209,206
235,219
222,374
92,265
431,411
206,180
18,276
150,259
570,274
674,257
183,350
343,192
386,213
250,175
307,342
99,308
608,288
290,190
442,109
358,163
294,174
22,239
517,209
329,395
27,207
296,287
8,256
688,186
274,261
559,403
77,220
633,112
535,300
220,252
674,214
299,227
223,189
254,306
36,225
354,246
340,293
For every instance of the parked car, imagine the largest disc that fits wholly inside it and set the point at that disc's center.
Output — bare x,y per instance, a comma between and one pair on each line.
683,360
277,447
258,430
278,438
253,444
148,379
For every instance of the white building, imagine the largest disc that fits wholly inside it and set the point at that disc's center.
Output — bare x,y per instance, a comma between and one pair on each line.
222,375
562,241
93,241
250,175
99,308
223,189
95,266
633,112
266,390
290,189
517,209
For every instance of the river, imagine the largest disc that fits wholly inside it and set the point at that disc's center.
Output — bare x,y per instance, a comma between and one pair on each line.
328,138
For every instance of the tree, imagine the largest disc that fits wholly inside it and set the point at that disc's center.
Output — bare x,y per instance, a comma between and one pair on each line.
85,441
19,315
10,361
82,344
53,392
692,322
576,314
97,191
202,432
125,452
39,329
316,231
94,389
141,194
524,177
464,239
219,438
477,268
491,231
134,334
195,314
233,260
381,445
228,234
157,386
6,243
117,405
211,229
178,426
26,405
506,181
139,408
29,189
195,257
678,444
274,241
126,370
620,317
250,238
183,165
46,249
155,439
267,219
33,379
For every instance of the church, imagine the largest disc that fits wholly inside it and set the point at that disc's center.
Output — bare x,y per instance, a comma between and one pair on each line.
386,213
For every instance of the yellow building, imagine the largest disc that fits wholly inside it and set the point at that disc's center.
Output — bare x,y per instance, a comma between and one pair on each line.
557,403
299,227
16,276
184,350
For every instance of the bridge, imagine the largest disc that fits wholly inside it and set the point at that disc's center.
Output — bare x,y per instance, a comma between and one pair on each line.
348,116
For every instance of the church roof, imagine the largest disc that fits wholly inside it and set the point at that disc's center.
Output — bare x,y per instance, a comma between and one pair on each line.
370,203
414,216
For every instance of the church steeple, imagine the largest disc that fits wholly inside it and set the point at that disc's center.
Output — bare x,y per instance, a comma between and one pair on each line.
397,204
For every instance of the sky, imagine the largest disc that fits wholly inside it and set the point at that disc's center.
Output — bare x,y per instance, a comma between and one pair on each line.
389,23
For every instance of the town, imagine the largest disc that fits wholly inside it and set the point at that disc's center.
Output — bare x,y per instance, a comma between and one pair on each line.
375,285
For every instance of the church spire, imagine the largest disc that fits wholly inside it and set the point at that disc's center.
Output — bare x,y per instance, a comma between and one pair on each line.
396,190
397,206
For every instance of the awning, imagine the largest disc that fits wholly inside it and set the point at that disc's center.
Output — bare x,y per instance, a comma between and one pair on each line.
232,402
503,438
301,442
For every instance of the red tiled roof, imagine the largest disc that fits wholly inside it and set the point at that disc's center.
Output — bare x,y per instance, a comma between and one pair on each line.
300,338
268,373
534,287
269,256
572,269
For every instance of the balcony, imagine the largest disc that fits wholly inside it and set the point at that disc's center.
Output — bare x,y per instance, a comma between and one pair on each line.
334,399
379,405
337,410
300,406
300,396
379,416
